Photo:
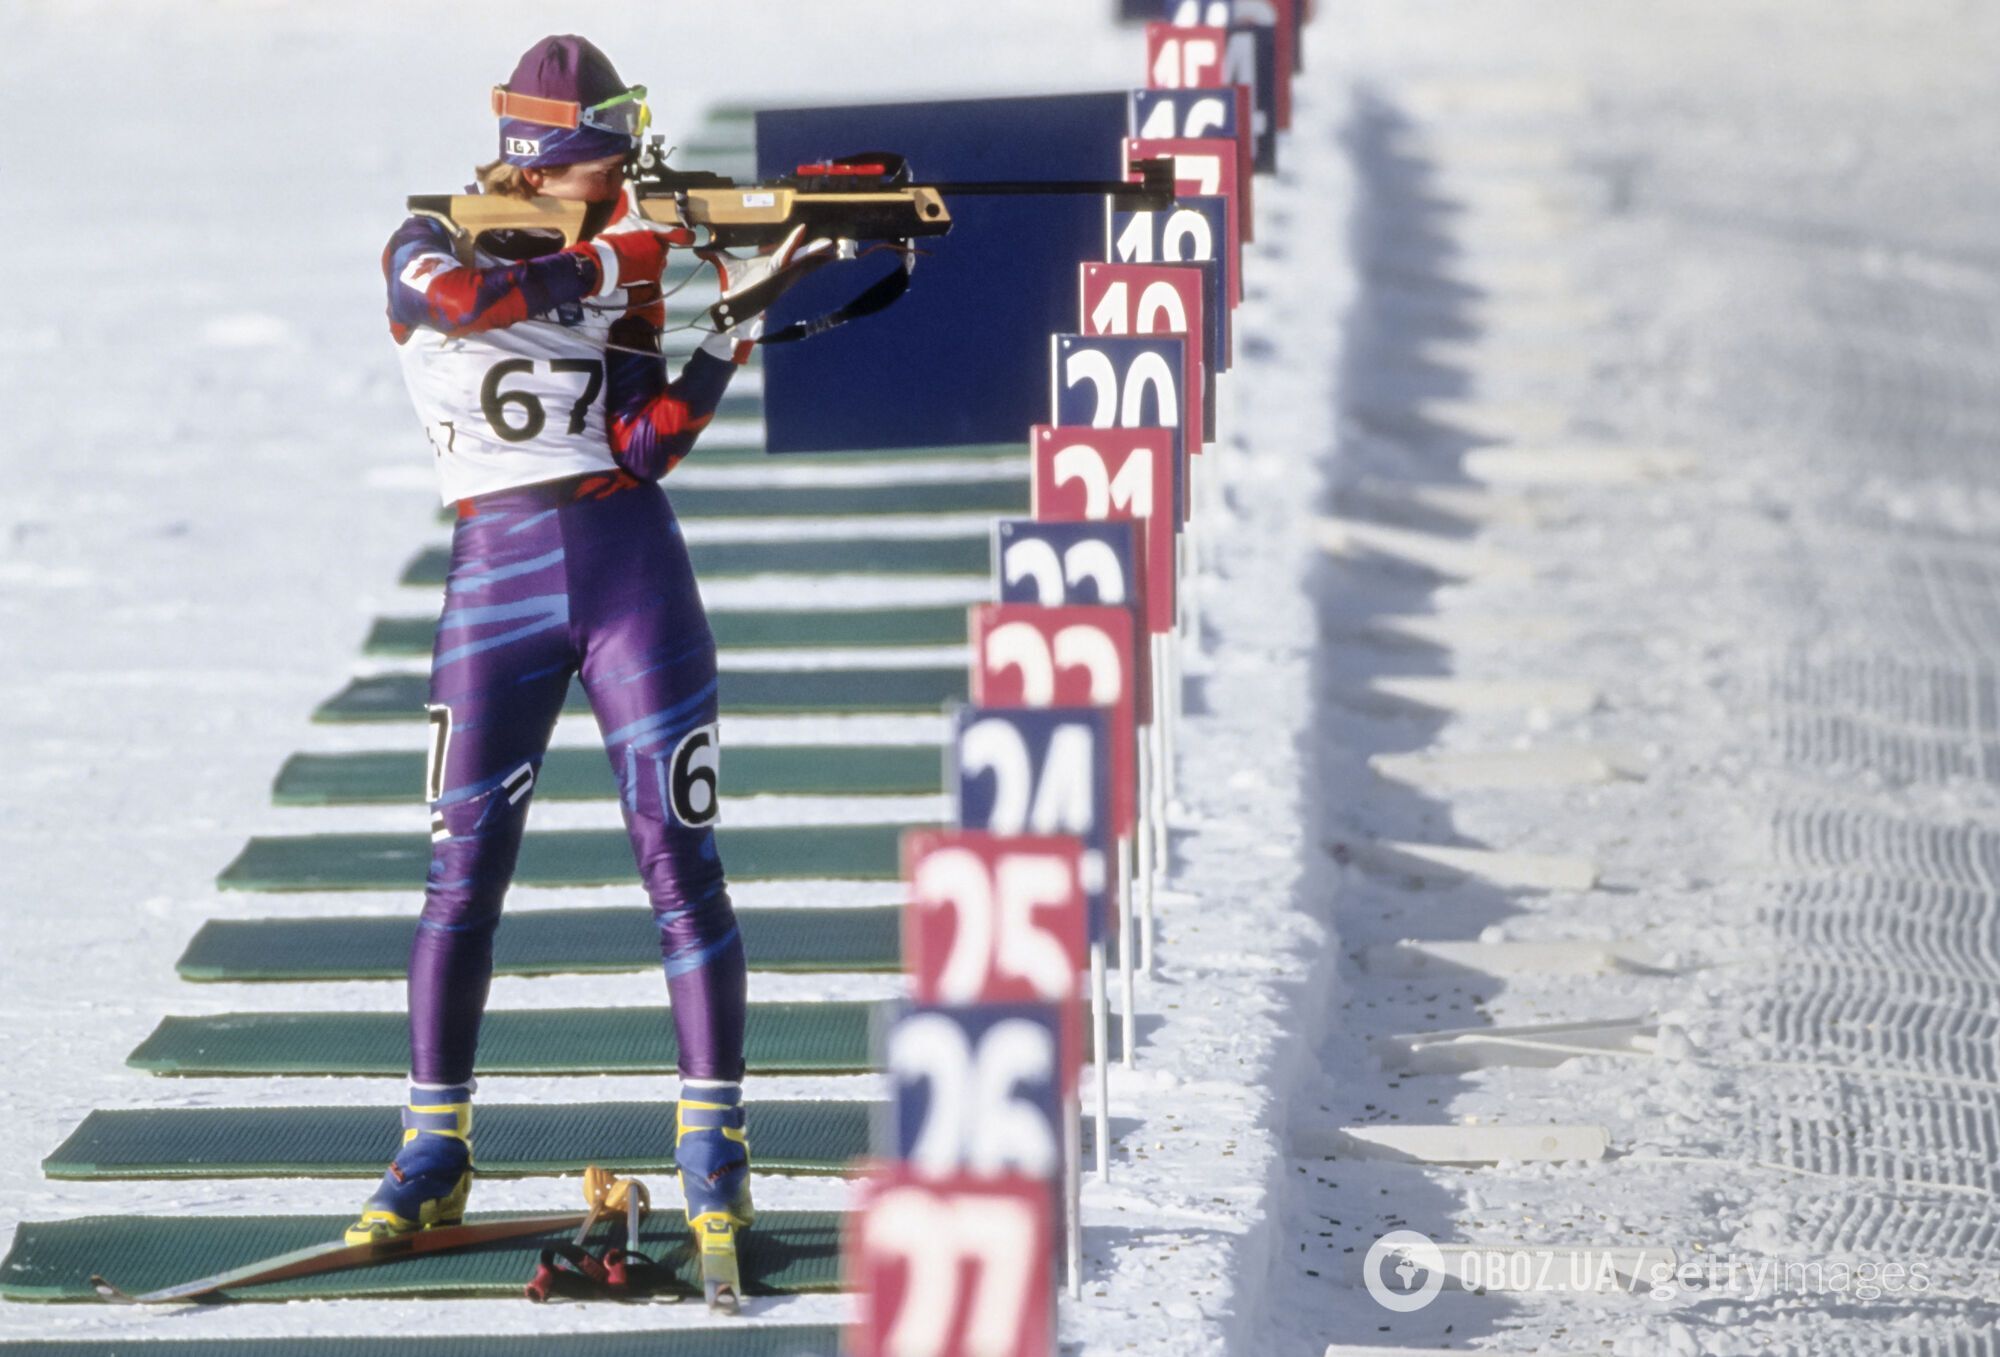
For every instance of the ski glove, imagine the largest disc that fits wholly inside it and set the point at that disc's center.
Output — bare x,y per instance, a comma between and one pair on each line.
736,344
749,286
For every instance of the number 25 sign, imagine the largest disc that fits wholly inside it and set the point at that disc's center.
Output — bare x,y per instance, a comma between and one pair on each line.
996,919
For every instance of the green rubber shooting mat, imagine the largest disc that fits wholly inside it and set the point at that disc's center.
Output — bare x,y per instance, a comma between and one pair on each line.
511,1139
726,155
560,857
694,503
737,455
767,629
731,1338
387,777
744,692
536,942
789,1038
786,1252
795,556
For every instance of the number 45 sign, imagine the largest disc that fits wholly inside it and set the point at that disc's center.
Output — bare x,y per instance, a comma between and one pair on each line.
953,1267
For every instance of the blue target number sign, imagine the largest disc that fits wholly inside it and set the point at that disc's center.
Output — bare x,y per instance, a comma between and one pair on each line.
1057,563
1120,382
1193,231
978,1088
1040,770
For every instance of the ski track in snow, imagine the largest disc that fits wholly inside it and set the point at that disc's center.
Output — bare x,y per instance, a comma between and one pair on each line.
1747,232
215,483
1761,237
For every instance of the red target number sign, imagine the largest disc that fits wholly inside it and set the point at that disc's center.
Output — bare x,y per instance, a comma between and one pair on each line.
952,1267
1185,58
997,919
1029,656
1086,474
1153,299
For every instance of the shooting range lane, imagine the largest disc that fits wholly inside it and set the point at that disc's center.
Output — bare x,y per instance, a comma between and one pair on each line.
766,692
385,777
787,1252
748,629
514,1139
795,938
559,857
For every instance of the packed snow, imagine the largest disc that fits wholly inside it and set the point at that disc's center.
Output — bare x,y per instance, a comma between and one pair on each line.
1633,367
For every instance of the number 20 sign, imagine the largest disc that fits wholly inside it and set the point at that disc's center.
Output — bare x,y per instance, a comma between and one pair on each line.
954,1267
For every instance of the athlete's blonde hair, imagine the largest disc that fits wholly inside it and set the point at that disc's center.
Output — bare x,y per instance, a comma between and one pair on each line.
502,178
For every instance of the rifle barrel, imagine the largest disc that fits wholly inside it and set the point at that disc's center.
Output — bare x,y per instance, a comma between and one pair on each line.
1024,188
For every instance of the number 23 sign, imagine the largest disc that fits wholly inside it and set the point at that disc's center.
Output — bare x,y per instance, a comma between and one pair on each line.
1029,656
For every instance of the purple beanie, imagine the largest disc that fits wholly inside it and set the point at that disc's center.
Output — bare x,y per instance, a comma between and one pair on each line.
568,68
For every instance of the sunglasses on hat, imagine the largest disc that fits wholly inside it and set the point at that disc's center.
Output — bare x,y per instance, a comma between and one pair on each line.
623,114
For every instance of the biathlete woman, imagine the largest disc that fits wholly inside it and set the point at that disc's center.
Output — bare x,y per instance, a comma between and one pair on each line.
537,376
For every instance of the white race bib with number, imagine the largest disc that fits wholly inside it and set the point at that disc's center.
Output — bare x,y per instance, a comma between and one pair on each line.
516,405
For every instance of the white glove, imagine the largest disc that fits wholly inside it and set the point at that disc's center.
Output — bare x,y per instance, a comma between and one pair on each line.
734,345
750,285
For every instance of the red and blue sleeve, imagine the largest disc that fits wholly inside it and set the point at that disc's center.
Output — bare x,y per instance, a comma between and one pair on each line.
653,422
429,287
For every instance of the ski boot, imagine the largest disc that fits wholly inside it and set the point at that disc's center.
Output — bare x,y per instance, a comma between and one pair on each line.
431,1175
712,1152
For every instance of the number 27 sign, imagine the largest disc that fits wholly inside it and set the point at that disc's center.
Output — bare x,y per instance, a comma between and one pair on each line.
952,1267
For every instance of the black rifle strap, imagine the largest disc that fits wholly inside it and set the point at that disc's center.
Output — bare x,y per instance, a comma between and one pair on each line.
877,296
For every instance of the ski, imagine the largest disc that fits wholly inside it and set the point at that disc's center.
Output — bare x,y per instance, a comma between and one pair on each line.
715,1243
339,1254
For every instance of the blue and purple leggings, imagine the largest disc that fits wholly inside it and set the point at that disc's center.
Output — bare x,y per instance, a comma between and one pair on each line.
586,577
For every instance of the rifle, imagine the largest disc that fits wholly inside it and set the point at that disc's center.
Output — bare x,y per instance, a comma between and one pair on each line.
868,198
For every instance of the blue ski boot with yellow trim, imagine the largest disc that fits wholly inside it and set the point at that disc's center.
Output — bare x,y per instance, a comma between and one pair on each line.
431,1175
712,1151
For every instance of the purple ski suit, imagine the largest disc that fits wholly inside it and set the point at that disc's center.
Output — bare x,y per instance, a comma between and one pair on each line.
584,577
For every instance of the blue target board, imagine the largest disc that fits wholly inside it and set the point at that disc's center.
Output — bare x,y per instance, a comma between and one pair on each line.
1054,564
958,360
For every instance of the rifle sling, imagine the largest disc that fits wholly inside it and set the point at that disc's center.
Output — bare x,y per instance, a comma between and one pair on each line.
877,296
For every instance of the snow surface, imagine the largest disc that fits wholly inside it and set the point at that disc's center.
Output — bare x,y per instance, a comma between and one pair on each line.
1753,235
214,480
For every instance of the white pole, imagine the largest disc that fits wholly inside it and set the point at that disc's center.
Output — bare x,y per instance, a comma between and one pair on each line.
1073,1189
1166,671
1100,1030
1127,962
1156,865
1147,869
